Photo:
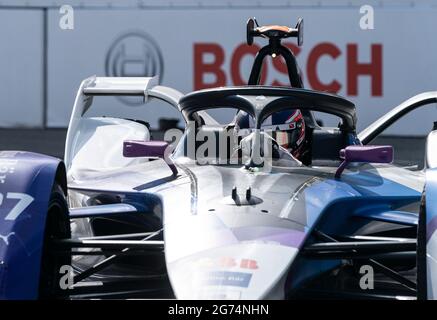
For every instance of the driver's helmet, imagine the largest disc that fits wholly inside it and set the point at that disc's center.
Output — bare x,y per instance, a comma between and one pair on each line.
287,128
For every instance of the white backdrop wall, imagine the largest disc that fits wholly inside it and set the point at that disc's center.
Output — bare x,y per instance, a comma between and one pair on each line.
21,68
377,69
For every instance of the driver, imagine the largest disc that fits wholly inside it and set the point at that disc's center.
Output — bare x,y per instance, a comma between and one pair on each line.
287,127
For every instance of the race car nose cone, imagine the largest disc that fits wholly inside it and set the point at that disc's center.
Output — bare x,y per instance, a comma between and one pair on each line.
240,271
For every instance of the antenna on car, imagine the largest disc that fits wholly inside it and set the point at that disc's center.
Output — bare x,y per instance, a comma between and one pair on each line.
275,33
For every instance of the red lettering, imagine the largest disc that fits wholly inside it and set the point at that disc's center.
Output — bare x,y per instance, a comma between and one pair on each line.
279,63
238,54
248,264
209,61
373,69
318,51
201,68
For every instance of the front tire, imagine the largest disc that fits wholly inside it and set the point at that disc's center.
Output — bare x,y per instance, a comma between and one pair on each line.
421,251
57,227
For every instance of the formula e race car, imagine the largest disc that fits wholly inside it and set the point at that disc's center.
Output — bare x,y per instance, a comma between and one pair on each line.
220,212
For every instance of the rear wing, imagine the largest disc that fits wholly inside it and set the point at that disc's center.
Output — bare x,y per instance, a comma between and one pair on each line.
147,87
126,86
121,86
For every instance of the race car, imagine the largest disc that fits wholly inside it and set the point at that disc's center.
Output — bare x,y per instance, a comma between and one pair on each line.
221,212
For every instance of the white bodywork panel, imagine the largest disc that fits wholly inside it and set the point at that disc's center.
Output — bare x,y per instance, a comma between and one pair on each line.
120,85
431,150
97,145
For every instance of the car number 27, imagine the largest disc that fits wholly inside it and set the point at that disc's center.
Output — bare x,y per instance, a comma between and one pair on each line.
24,200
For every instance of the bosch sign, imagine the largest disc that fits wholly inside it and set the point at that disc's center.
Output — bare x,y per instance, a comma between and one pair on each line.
214,65
374,68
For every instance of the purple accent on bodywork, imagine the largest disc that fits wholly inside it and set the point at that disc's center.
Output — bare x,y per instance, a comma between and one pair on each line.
371,154
152,149
199,233
431,206
22,238
286,237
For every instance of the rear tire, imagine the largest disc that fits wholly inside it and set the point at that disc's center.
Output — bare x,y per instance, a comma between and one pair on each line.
57,227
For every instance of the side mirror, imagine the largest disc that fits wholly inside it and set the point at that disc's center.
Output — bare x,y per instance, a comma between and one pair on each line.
150,149
374,154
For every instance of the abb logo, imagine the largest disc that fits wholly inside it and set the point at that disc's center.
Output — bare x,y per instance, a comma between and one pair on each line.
354,67
228,262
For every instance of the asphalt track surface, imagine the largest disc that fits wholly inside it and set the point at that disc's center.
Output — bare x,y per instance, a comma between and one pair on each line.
52,141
